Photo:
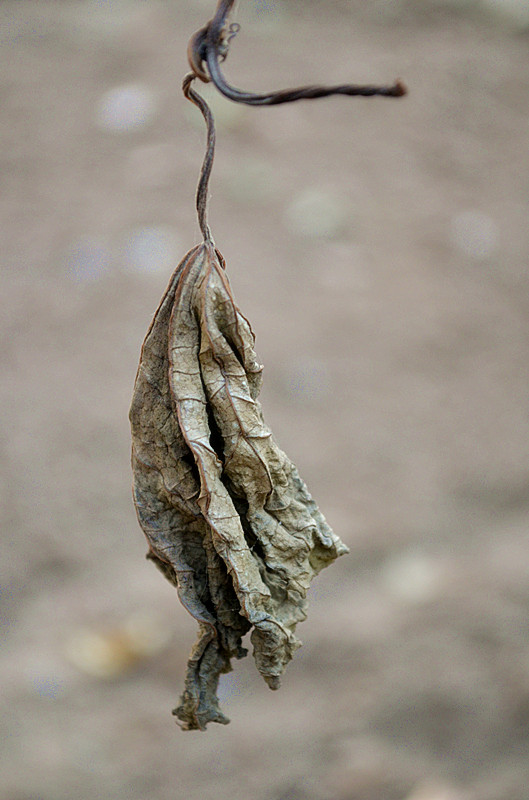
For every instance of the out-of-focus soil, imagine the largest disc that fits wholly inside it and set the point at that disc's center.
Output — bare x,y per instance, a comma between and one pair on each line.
380,249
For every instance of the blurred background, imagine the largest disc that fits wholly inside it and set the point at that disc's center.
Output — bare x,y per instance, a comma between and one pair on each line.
380,250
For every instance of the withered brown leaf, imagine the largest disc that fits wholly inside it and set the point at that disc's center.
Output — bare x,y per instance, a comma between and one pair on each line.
227,517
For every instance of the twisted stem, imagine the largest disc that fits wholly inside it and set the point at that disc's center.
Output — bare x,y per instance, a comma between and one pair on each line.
209,46
205,172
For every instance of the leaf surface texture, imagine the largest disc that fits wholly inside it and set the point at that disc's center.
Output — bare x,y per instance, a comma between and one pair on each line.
227,517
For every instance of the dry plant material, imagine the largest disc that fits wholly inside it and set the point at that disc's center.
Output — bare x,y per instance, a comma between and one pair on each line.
228,519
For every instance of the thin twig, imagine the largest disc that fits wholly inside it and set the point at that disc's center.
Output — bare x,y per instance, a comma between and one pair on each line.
209,46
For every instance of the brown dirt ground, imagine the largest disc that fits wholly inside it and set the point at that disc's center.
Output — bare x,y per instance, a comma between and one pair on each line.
380,250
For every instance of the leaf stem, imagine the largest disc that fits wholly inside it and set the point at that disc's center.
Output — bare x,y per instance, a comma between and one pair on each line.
205,172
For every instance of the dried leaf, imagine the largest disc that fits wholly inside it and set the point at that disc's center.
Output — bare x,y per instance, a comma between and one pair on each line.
227,517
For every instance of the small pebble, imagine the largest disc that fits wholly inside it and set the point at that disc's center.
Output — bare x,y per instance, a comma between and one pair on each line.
88,260
435,791
110,653
316,214
251,181
411,577
126,108
48,686
309,381
151,250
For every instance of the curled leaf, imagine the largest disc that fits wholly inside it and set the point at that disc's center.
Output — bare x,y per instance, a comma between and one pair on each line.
227,517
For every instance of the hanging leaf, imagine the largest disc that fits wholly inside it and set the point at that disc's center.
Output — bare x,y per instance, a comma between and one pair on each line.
228,519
